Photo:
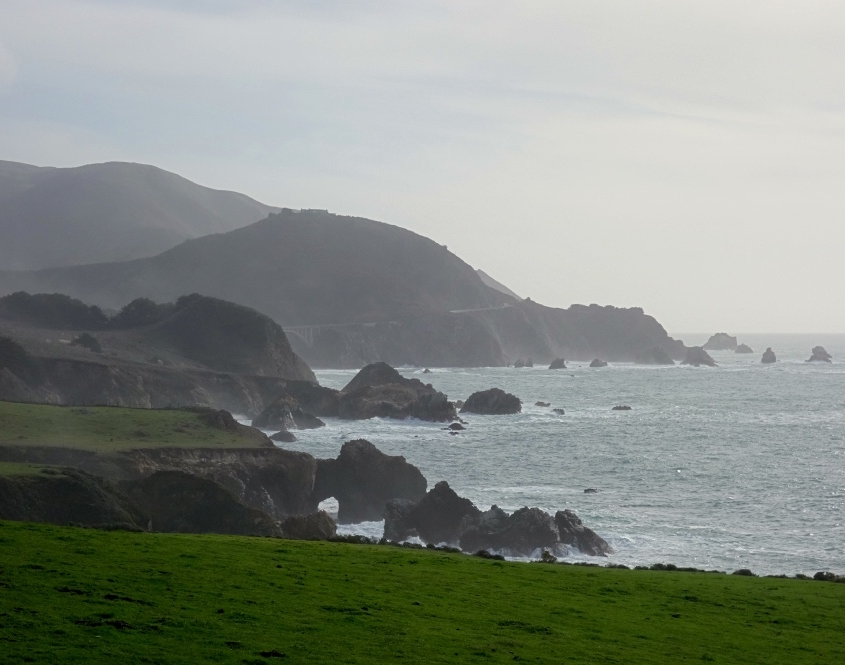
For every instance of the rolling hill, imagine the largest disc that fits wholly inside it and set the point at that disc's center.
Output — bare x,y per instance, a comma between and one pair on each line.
116,211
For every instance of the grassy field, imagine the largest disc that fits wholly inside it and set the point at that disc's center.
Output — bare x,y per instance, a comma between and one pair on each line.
19,469
108,428
83,596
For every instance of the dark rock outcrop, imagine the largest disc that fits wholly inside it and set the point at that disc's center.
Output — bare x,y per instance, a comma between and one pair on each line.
654,355
63,496
283,436
743,348
379,391
558,363
697,356
573,532
184,503
720,342
455,427
519,534
769,356
621,407
316,526
285,413
494,401
519,364
598,363
435,518
363,479
542,403
559,411
820,355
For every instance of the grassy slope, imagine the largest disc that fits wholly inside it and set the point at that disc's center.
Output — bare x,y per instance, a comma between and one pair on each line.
71,595
20,469
106,429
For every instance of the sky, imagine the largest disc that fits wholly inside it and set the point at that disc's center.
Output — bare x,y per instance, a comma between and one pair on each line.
686,157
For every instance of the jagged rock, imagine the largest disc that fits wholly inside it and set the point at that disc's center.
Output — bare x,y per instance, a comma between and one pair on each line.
572,532
721,342
768,356
181,502
316,526
598,363
363,479
436,517
820,355
63,496
519,534
559,411
426,371
697,356
542,403
591,490
494,401
379,391
558,363
654,355
744,348
283,436
285,413
621,407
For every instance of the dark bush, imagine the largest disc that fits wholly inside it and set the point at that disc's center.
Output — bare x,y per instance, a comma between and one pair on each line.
141,312
52,310
743,571
15,358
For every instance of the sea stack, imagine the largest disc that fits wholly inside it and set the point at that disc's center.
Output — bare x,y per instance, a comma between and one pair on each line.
697,356
820,355
743,348
558,363
721,342
768,356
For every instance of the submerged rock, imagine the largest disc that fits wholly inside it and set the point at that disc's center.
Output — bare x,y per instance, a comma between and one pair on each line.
363,479
542,403
559,411
697,356
768,356
621,407
494,401
598,363
558,363
455,427
744,348
721,342
820,355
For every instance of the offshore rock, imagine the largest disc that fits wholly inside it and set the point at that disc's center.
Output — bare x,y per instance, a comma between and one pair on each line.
558,363
283,436
768,356
435,518
285,414
363,479
573,532
520,533
494,401
379,391
697,356
721,342
519,363
744,348
598,363
654,355
820,355
316,526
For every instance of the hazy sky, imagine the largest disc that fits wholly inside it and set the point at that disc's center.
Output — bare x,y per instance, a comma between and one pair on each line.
685,157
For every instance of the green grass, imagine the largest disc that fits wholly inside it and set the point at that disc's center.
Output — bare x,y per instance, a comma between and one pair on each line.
83,596
20,469
108,428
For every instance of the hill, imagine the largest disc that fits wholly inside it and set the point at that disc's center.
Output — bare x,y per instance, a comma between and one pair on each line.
307,267
74,595
352,291
107,212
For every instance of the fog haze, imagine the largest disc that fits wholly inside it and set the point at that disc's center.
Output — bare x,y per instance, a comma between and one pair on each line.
688,158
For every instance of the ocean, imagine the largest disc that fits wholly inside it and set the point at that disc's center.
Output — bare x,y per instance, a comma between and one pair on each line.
737,466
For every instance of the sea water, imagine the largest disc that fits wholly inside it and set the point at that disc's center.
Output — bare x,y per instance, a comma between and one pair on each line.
737,466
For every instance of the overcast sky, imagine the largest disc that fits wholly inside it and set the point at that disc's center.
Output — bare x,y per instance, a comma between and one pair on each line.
685,157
